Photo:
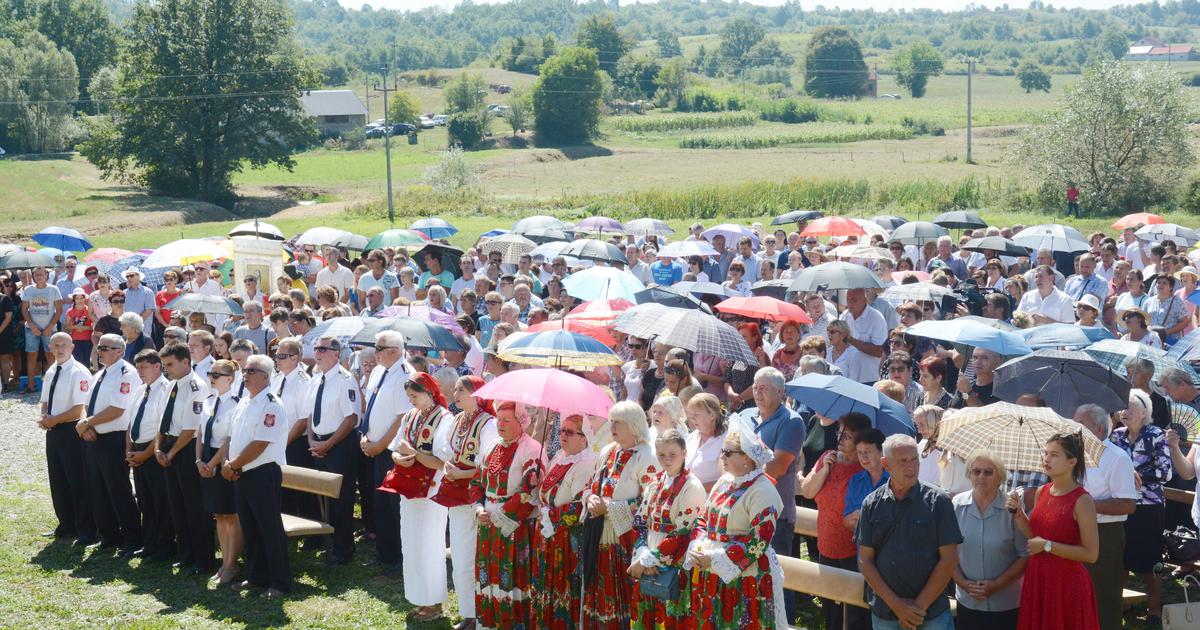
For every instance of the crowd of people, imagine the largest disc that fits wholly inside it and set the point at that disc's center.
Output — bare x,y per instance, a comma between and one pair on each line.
669,512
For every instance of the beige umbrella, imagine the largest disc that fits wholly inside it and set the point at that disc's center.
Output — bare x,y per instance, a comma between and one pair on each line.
510,246
1014,433
861,252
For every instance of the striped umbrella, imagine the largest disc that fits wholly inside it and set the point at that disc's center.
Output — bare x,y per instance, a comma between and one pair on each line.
1016,434
586,328
557,348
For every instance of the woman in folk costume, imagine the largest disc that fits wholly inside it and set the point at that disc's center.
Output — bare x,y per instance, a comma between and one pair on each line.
556,577
671,503
510,469
624,469
423,433
473,429
738,584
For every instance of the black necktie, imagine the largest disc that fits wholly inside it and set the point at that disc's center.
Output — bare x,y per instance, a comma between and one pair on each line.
96,392
209,425
316,419
241,388
137,420
282,384
169,413
371,403
58,369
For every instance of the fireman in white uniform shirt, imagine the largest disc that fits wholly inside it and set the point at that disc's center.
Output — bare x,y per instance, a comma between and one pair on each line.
149,477
290,385
200,348
177,427
111,395
64,398
334,407
257,441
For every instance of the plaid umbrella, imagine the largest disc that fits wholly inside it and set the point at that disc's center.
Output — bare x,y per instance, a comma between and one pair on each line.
1115,352
915,292
510,246
557,348
116,273
686,328
1016,434
648,227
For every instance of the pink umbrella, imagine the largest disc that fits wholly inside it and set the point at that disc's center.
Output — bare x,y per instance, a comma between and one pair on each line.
553,389
422,311
899,276
107,255
599,312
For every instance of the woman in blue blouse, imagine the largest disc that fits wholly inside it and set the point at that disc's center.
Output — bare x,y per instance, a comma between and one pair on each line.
1147,446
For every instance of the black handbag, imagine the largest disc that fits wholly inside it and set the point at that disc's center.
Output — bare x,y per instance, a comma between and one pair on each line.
1182,545
664,585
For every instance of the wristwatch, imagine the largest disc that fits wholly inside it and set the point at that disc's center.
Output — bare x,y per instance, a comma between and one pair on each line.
1047,546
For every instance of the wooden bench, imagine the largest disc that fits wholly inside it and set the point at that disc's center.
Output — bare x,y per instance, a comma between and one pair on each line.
323,484
1186,497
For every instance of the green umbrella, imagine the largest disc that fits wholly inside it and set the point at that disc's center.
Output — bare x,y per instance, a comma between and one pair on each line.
397,238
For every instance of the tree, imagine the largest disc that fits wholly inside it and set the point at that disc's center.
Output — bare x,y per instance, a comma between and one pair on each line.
600,33
1113,43
567,97
737,38
1120,133
520,110
1031,77
102,88
833,64
915,64
768,52
464,93
668,44
670,83
37,103
635,77
207,88
82,27
466,129
403,108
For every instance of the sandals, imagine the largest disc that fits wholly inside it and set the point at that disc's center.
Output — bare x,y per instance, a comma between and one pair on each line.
427,613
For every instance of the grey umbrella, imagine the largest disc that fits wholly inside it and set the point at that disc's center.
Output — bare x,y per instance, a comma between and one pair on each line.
1064,379
997,244
796,216
889,222
777,289
835,275
204,303
539,222
918,233
1159,232
25,260
703,288
960,220
546,235
669,297
595,250
1056,238
646,227
690,329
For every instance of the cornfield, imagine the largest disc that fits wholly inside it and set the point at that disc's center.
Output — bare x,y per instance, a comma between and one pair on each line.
685,122
814,135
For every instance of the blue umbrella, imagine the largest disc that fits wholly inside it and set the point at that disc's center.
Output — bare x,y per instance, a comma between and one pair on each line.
493,233
434,228
835,396
972,333
63,238
603,283
557,348
1063,335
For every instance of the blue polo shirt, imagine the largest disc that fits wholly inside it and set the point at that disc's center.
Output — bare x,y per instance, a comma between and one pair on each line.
860,486
785,431
666,274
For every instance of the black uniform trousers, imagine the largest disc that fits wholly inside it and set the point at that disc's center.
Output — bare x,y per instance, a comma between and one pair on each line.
295,502
366,489
68,483
150,484
113,507
258,494
387,513
194,527
342,459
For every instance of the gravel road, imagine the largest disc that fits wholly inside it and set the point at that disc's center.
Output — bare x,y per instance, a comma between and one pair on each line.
24,461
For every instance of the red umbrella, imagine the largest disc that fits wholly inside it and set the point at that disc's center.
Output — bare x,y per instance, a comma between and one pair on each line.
1132,220
599,333
833,226
599,312
764,307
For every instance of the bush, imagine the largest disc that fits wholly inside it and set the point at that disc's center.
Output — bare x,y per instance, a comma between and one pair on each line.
466,130
705,99
921,127
792,111
1189,195
452,172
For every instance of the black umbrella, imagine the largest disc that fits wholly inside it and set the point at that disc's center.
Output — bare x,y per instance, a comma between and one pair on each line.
960,220
667,297
1064,379
25,260
450,257
592,249
835,275
889,222
997,244
777,289
796,216
418,333
918,233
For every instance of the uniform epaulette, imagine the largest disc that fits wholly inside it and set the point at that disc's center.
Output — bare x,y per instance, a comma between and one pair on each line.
272,397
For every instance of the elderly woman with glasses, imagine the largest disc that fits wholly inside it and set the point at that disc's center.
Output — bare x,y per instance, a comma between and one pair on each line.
612,499
738,583
135,340
212,448
993,553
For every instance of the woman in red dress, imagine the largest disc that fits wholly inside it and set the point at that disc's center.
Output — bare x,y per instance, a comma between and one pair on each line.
1062,534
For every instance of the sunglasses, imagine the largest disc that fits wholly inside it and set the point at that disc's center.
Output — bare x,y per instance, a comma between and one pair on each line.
982,472
569,433
382,348
216,375
91,274
898,368
492,302
283,355
727,452
323,349
251,370
106,348
116,301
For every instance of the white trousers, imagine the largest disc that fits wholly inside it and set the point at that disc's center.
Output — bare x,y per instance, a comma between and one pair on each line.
423,541
463,530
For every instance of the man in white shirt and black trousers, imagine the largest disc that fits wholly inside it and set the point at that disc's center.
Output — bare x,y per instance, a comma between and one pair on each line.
257,441
290,385
334,406
387,401
149,477
64,399
182,410
110,399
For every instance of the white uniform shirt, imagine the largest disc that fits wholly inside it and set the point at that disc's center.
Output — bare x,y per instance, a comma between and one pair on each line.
189,404
222,423
1057,306
153,411
114,386
258,419
1112,479
339,398
392,400
292,391
201,369
72,387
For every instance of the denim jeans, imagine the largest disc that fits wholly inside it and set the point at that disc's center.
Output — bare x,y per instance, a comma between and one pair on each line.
944,621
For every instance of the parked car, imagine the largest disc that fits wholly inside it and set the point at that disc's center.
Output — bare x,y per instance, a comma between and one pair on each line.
440,120
426,122
397,130
503,89
891,96
498,110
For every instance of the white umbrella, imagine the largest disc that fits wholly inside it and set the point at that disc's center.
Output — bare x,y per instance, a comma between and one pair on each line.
648,227
603,283
318,236
732,233
862,252
683,249
553,249
257,229
1159,232
915,292
185,252
871,228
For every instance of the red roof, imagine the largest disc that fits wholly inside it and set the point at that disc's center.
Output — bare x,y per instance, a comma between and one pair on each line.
1170,50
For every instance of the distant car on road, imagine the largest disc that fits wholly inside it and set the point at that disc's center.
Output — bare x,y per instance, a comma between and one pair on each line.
398,129
891,96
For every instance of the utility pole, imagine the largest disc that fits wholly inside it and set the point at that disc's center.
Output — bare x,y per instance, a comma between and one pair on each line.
970,71
387,142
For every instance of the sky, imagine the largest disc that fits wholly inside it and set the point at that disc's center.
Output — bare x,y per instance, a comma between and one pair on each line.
883,5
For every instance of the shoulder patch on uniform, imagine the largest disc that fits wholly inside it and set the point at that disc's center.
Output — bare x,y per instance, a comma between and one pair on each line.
125,388
352,394
197,407
195,387
269,420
